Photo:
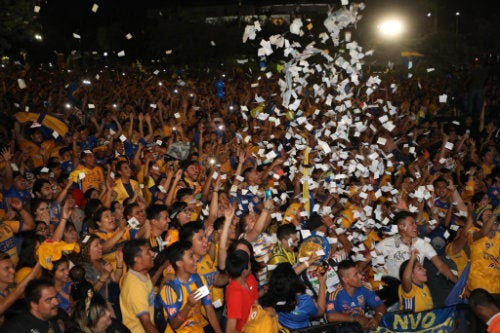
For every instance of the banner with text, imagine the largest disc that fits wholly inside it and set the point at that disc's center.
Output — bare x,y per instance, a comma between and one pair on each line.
438,320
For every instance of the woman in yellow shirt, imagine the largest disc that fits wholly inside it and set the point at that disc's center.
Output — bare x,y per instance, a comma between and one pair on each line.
414,295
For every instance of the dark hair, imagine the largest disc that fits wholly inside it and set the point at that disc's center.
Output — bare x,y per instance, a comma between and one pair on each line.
27,256
35,203
285,231
88,194
403,267
77,274
181,193
482,297
344,265
284,285
439,180
175,252
79,291
96,217
256,266
118,166
38,184
132,249
85,247
153,212
219,223
400,216
33,291
127,211
188,230
236,262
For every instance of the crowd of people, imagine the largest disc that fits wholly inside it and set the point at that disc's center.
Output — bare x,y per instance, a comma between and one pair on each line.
127,189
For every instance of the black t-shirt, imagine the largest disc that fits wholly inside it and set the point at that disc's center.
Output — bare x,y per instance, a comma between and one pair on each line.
27,323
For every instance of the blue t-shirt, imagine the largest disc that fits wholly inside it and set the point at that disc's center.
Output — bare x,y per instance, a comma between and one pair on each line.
299,317
341,301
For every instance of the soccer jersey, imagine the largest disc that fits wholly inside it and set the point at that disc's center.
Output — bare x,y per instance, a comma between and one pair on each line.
136,299
485,262
7,241
110,256
93,177
417,299
396,252
299,317
173,304
341,301
280,255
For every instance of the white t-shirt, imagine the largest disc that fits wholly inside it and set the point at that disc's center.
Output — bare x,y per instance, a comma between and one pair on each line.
396,252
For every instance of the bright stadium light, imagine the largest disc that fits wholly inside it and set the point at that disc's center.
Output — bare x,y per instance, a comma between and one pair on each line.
38,37
391,27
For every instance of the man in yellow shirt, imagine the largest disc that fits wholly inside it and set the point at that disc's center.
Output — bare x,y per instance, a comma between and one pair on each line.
137,294
485,257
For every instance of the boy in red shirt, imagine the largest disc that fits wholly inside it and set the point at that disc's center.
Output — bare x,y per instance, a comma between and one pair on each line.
241,292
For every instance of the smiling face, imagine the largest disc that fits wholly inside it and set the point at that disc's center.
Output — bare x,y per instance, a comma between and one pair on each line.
7,272
95,250
61,273
408,227
107,222
42,212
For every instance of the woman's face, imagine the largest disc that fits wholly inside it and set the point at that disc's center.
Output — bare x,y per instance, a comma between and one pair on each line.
118,207
95,250
103,322
62,272
70,235
223,200
42,212
107,222
7,271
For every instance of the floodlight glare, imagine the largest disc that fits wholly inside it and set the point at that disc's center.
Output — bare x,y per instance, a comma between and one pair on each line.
391,27
38,37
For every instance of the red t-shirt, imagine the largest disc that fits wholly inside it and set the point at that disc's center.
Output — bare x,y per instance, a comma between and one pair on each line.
239,300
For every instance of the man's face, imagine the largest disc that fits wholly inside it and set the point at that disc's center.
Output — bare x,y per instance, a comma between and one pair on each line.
192,172
46,191
163,221
20,183
46,308
441,190
189,261
408,227
89,160
37,137
352,277
138,213
145,258
200,243
290,243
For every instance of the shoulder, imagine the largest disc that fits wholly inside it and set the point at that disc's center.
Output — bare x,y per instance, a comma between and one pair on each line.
337,292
